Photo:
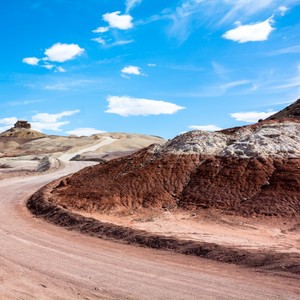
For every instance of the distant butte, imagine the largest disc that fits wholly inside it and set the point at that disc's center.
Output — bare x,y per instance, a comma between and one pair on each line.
22,124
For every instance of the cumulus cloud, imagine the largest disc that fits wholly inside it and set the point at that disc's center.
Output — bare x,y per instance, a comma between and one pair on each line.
205,127
128,106
251,116
46,121
130,4
250,33
34,61
84,131
63,52
132,70
116,20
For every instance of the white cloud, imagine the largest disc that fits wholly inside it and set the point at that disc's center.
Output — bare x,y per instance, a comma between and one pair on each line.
205,127
251,116
132,70
286,50
130,4
51,118
151,65
46,121
244,8
120,43
55,126
115,20
233,84
250,33
84,131
41,121
34,61
128,106
48,66
8,121
99,40
60,70
101,30
189,15
282,10
63,52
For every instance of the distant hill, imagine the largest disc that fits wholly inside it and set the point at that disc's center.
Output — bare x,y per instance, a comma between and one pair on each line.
22,133
292,111
22,130
21,140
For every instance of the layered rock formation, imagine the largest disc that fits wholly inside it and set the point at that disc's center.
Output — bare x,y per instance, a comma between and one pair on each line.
253,170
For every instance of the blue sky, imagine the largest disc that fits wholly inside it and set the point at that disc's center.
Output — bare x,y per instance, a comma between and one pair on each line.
157,67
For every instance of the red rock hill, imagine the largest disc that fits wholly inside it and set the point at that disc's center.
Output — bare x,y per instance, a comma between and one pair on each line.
252,170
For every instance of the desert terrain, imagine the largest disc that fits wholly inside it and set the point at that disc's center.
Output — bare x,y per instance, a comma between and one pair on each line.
42,261
201,216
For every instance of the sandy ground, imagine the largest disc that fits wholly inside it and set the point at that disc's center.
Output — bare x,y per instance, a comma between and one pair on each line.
42,261
211,227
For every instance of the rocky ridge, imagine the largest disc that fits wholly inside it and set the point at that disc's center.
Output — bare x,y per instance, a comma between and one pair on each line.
280,140
253,170
292,111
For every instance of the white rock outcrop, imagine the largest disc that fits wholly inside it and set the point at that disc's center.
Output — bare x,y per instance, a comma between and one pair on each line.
281,140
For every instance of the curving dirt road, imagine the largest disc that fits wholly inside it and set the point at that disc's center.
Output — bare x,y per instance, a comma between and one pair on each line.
41,261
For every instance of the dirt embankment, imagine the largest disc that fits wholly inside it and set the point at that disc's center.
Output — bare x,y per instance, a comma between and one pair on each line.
40,206
241,186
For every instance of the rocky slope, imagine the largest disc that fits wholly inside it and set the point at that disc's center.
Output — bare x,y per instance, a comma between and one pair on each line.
253,170
292,111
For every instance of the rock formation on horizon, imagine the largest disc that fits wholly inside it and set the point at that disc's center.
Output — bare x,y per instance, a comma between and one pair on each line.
22,129
22,124
251,170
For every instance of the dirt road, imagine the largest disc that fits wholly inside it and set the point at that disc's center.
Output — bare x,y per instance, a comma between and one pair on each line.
41,261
